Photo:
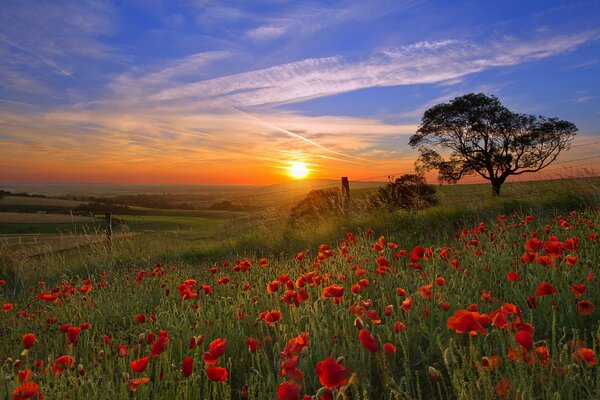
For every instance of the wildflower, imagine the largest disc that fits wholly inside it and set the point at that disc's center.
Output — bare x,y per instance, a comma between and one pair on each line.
331,373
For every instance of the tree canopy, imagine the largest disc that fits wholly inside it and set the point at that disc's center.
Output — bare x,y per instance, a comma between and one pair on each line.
476,134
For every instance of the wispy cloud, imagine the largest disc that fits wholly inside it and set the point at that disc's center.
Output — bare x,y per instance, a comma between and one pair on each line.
419,63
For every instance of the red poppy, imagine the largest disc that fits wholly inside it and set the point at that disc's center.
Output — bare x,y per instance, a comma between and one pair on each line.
270,317
333,291
585,354
288,390
399,327
26,391
273,286
367,341
187,366
216,349
585,308
332,374
512,276
571,260
73,333
533,244
579,289
62,363
29,340
389,348
545,289
140,318
122,350
140,364
134,383
159,346
217,374
295,345
24,375
406,304
525,339
468,321
503,387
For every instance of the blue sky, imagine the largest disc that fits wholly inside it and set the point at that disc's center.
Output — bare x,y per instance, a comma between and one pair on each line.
231,92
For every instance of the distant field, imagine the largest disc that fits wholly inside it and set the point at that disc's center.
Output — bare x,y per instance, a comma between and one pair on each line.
30,218
37,201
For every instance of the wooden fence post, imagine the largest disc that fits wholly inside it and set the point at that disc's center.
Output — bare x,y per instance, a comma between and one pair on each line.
346,193
108,229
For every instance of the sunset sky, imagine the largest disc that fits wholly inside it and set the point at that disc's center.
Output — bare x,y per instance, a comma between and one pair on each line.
151,91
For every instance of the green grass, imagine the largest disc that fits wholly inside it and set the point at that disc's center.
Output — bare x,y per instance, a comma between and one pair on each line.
426,345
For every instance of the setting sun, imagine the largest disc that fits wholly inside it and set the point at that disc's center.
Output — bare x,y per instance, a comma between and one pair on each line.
297,169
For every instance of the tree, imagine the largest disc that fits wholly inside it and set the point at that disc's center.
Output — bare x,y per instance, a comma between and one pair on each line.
408,192
478,135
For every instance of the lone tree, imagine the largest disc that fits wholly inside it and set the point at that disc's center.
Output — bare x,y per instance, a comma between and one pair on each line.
478,135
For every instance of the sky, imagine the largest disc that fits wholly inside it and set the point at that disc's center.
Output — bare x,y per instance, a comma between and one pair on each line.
178,92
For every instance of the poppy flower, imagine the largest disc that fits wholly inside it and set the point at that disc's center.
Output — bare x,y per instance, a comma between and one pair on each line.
134,383
533,244
288,390
585,308
512,276
159,346
571,260
468,321
7,307
140,318
29,340
585,354
545,289
270,317
24,375
407,304
331,373
215,350
140,364
578,289
289,368
503,387
217,374
367,341
333,291
72,334
187,366
399,327
295,345
525,339
26,391
122,350
389,348
62,363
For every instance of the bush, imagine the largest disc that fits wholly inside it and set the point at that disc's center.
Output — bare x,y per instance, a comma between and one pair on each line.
408,192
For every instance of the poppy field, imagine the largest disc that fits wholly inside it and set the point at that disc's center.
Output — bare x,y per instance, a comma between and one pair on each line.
503,309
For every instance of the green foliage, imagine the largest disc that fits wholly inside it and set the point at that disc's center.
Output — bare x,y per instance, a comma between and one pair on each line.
408,192
481,136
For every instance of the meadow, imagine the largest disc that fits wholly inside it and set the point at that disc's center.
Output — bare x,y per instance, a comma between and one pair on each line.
477,298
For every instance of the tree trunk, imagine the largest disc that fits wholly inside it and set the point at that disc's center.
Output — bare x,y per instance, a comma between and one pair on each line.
496,189
496,184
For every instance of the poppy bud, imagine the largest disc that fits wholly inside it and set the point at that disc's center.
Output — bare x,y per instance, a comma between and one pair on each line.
448,356
433,373
340,360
